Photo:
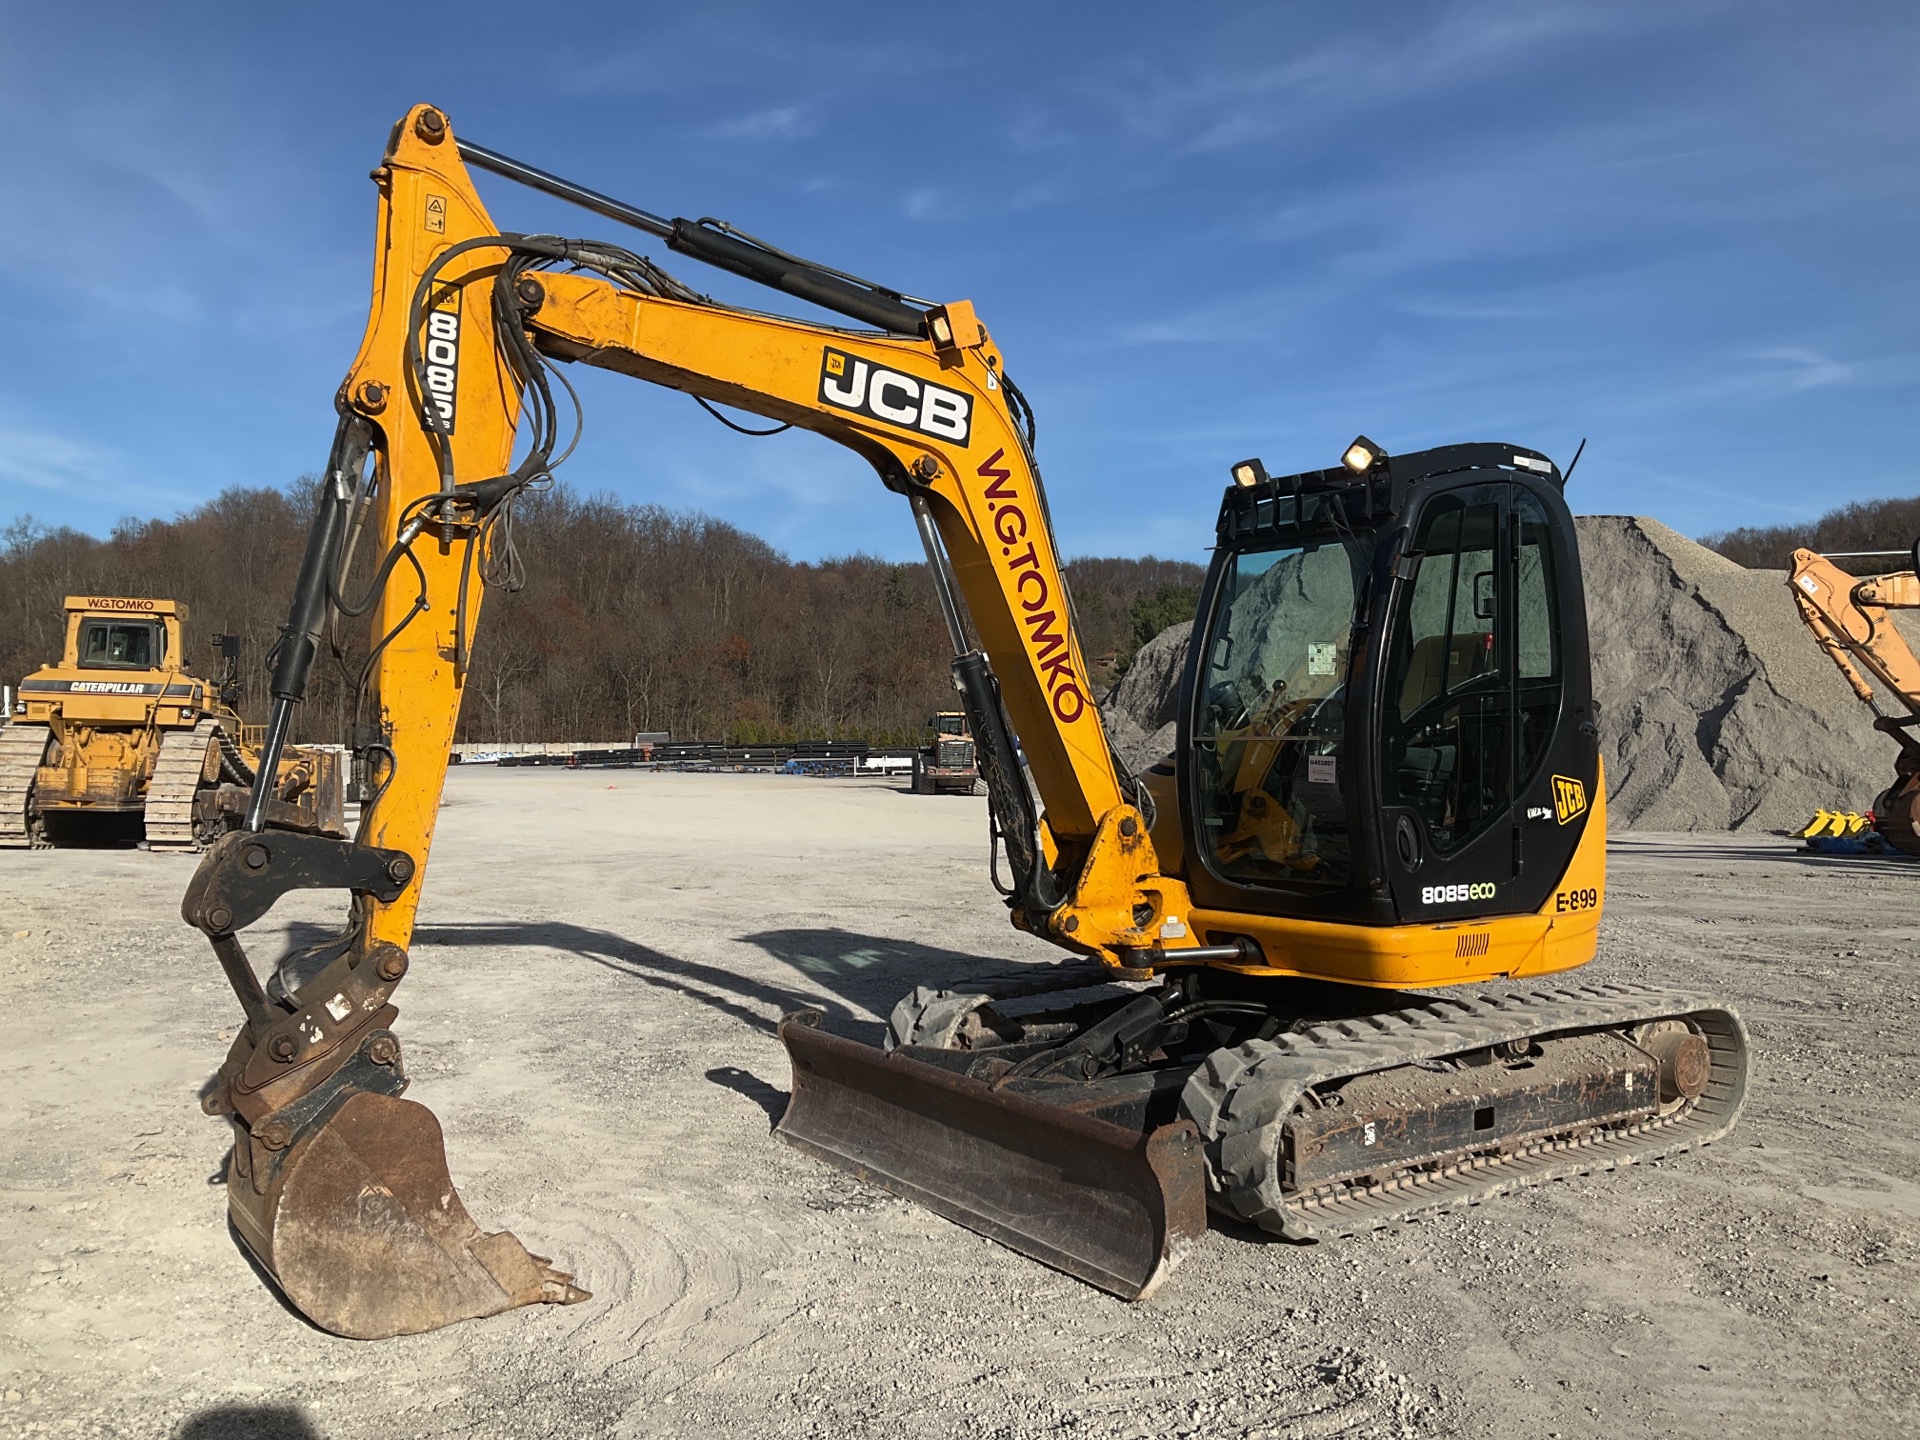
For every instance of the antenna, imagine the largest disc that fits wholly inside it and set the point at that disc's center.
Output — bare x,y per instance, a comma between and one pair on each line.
1567,474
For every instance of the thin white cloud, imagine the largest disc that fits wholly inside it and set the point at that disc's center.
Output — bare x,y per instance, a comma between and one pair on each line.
782,122
1215,101
926,203
46,461
1792,368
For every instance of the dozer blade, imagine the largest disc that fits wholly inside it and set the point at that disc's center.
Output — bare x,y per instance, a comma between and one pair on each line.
362,1229
1101,1202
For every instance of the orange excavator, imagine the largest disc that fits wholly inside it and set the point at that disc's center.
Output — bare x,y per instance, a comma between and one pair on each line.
1849,618
1387,784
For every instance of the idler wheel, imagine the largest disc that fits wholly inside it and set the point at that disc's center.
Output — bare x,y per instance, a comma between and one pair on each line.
1686,1062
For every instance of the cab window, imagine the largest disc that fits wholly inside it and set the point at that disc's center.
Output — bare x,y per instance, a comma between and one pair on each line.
1537,635
1447,722
121,645
1271,778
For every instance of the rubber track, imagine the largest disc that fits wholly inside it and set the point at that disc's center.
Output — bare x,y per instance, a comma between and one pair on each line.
22,748
177,774
1241,1099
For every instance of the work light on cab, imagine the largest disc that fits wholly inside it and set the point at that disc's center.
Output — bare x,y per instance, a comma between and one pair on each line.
1362,455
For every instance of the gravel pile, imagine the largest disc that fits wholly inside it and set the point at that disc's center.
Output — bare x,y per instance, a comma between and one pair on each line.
1139,712
1717,711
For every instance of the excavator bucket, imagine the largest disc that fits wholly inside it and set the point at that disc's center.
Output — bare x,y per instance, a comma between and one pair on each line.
1099,1201
361,1227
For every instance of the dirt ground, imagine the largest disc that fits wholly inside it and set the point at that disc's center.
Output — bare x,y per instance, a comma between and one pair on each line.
600,965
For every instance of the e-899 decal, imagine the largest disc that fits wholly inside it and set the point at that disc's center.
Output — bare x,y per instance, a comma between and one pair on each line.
1567,901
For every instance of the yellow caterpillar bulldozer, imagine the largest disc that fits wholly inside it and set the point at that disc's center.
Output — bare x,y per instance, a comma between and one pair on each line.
1849,618
1386,786
121,733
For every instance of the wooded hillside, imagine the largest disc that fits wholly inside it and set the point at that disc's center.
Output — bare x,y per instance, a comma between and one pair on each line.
632,618
1864,525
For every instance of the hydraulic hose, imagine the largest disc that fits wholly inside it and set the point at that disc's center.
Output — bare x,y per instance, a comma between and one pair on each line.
300,637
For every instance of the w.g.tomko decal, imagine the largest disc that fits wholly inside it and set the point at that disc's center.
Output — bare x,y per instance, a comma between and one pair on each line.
1043,613
850,383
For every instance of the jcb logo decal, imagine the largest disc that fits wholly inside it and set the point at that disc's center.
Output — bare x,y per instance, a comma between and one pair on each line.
872,390
1569,799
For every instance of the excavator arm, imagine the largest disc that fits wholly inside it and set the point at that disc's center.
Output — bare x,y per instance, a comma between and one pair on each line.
457,375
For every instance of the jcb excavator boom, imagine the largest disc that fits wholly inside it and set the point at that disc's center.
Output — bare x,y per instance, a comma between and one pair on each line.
1301,860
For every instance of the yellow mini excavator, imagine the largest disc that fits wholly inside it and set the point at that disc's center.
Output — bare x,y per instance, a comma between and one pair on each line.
1387,783
1848,616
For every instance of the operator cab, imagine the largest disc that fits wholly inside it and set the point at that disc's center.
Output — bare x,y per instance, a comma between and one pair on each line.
1389,690
122,644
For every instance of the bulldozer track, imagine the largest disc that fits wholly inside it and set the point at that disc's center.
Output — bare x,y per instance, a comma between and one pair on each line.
22,747
233,764
177,774
1242,1098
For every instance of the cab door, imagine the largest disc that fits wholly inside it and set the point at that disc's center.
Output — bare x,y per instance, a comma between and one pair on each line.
1487,627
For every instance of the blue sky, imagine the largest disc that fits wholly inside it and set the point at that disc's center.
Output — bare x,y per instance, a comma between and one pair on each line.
1684,230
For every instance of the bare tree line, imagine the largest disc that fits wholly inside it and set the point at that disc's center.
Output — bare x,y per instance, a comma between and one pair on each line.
1863,525
632,618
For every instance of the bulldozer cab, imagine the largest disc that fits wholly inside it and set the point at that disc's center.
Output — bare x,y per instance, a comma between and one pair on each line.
122,634
1389,700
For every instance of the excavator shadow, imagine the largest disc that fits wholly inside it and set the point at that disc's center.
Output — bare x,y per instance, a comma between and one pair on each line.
249,1422
731,994
1788,850
872,972
745,1083
868,973
865,974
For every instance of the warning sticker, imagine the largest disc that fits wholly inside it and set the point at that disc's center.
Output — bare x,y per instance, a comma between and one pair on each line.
437,214
1320,658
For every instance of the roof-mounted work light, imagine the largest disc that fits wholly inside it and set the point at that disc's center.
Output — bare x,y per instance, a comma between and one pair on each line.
1362,455
1249,473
